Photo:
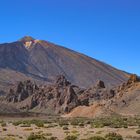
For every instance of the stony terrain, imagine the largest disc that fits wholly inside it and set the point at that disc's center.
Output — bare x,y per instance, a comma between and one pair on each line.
58,98
63,98
127,100
122,100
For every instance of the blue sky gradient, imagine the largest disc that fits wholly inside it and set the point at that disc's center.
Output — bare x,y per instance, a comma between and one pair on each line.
108,30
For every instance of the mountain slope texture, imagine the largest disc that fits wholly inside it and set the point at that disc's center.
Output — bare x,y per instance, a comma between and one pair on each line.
40,60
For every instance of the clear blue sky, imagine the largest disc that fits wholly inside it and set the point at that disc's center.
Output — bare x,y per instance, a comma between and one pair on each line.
108,30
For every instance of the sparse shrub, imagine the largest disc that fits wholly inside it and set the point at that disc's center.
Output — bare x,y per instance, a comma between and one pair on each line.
78,121
97,124
81,125
88,122
138,131
132,138
3,124
36,137
48,134
51,126
74,132
63,123
52,138
65,128
71,137
96,138
10,135
7,138
4,129
99,132
67,132
17,123
40,132
28,129
25,125
75,122
20,137
38,123
113,136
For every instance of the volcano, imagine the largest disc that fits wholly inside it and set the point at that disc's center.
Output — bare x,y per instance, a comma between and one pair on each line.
41,61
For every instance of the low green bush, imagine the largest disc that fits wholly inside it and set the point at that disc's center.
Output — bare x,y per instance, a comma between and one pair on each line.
63,123
113,136
38,123
3,124
96,138
71,137
36,137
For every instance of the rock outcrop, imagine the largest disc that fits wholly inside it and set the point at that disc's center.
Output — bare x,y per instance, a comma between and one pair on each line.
127,98
98,92
133,79
60,97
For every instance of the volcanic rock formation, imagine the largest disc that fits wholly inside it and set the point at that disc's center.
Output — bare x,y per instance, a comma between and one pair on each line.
60,97
122,100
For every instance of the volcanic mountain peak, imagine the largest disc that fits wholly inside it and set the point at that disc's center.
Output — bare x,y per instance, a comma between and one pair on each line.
27,39
44,60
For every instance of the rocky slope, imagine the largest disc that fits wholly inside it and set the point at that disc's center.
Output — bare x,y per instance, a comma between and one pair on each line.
127,100
123,100
62,97
57,98
42,60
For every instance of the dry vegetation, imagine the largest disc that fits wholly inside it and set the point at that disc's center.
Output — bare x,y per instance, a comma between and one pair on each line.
114,128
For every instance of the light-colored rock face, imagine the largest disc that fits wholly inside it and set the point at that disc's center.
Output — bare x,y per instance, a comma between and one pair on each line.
28,44
92,111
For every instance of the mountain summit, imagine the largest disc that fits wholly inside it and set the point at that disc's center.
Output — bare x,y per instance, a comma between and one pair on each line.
42,60
26,39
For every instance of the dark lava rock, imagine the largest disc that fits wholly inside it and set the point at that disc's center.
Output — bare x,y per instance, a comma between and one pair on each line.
100,84
59,97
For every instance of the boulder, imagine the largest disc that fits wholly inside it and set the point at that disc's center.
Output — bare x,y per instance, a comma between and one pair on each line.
100,84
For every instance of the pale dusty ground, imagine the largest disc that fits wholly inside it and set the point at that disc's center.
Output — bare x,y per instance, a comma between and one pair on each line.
18,132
